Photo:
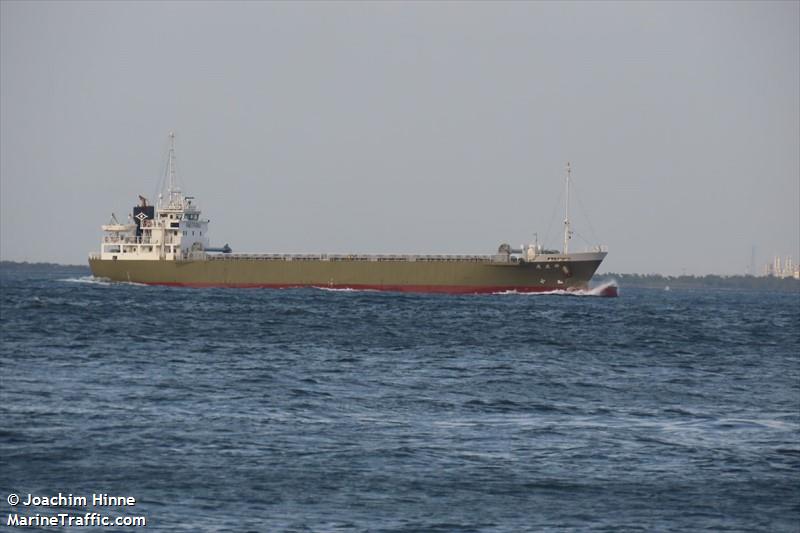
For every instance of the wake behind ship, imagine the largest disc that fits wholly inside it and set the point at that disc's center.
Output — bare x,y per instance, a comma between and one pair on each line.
168,244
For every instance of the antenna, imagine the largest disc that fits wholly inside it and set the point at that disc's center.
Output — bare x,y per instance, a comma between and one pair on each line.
567,230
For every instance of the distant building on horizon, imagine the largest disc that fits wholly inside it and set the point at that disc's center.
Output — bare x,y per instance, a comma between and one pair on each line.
787,269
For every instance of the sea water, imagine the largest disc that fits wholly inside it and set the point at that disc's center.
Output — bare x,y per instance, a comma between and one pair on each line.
315,410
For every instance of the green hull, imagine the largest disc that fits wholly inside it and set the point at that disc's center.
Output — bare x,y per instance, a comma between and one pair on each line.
453,276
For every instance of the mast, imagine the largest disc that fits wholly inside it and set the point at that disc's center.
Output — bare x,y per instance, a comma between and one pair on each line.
567,230
173,190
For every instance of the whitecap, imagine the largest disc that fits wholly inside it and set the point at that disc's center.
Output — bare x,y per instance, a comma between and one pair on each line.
604,289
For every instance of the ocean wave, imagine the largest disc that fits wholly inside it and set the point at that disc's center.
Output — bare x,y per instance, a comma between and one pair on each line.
606,289
88,279
91,280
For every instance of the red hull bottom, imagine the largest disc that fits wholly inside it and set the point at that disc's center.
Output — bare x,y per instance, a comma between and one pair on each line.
607,290
610,291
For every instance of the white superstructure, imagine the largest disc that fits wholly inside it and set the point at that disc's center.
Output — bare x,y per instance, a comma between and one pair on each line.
170,230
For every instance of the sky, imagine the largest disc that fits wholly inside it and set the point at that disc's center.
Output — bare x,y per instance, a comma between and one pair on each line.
409,127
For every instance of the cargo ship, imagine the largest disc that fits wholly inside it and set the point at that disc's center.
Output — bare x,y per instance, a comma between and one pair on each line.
168,244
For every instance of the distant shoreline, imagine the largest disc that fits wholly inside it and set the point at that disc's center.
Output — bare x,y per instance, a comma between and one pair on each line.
709,281
38,264
645,281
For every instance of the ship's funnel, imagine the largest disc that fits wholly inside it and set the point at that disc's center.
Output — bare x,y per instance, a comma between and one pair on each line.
142,213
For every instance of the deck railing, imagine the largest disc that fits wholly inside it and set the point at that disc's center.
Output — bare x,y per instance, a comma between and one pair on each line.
358,257
128,240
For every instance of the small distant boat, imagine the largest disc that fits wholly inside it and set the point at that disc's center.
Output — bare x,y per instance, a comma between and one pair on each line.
168,244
